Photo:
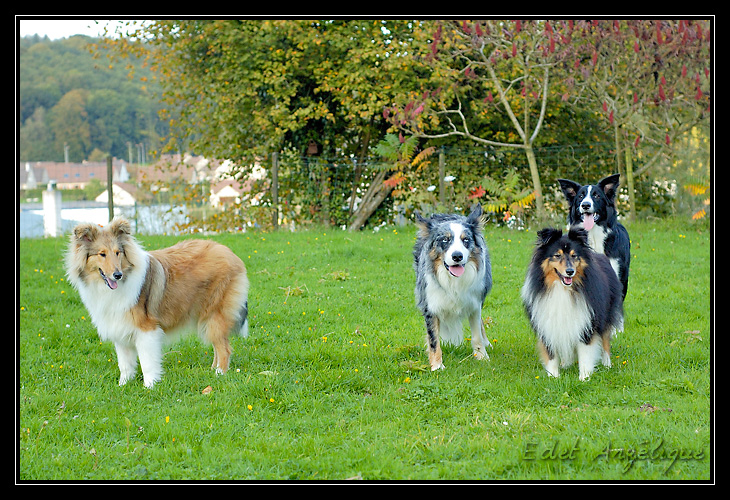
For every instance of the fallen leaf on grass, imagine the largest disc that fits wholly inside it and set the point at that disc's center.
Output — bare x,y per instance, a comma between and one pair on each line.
207,390
649,408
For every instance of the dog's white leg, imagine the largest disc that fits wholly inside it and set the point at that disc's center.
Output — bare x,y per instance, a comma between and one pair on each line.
149,348
588,356
551,367
479,340
605,359
606,347
127,360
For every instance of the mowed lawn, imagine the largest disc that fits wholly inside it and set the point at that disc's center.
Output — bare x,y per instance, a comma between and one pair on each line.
333,381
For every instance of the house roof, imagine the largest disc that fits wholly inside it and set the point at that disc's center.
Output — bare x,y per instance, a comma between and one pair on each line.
187,167
62,172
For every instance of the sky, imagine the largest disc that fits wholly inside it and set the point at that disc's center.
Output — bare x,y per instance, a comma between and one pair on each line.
61,28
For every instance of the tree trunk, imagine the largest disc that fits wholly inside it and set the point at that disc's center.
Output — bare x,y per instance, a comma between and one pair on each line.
539,201
364,144
376,193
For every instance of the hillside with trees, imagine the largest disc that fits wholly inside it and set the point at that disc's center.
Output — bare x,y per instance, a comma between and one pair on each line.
72,98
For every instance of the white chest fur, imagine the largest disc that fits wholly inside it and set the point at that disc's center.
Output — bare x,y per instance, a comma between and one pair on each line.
561,316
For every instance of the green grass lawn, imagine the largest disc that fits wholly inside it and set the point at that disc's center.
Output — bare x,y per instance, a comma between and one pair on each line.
332,382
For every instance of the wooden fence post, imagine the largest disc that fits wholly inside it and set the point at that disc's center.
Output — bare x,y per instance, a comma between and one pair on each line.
109,186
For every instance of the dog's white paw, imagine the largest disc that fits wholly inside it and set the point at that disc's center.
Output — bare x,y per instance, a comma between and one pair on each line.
481,354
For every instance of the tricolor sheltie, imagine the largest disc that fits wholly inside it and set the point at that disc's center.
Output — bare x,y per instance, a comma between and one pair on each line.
593,208
453,276
136,299
572,297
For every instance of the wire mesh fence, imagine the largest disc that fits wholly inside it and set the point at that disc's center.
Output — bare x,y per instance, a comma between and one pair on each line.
288,190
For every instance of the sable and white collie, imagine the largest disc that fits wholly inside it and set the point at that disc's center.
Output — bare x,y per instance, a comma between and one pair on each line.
593,208
572,297
453,276
137,299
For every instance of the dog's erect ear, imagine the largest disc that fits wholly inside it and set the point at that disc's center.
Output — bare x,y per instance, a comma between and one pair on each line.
86,232
569,188
578,234
477,217
419,217
548,235
120,227
609,185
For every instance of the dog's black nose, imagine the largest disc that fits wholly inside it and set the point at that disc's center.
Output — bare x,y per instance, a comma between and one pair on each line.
457,256
117,275
569,272
585,205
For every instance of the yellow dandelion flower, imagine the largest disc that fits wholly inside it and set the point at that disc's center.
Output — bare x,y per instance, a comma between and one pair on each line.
249,407
167,419
271,400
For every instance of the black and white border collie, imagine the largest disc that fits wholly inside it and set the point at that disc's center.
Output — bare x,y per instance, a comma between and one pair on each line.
572,297
593,208
453,276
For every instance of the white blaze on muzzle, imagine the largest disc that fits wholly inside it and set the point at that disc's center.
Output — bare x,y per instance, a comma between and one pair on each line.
457,254
588,214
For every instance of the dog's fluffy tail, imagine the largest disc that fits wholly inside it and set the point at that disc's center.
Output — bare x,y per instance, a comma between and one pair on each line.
243,320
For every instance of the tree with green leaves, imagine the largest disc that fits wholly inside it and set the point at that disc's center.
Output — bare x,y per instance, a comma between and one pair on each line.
243,89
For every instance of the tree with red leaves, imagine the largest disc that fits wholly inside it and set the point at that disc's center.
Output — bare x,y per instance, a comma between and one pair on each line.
509,65
651,79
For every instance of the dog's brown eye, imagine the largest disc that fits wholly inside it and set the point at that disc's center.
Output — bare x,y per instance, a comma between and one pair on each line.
102,254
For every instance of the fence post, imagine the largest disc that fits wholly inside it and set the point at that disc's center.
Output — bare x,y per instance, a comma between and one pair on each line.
52,223
275,190
109,186
324,185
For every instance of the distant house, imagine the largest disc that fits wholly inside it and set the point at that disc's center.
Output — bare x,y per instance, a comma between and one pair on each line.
137,183
123,194
69,175
225,193
30,177
185,168
225,190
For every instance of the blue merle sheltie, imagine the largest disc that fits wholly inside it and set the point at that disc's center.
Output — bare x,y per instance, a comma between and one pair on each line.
453,276
593,208
572,297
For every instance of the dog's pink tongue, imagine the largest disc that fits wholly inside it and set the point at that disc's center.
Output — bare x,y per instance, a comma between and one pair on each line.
588,221
112,284
456,270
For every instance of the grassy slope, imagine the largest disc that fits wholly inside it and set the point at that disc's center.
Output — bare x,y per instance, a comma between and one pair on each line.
332,381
